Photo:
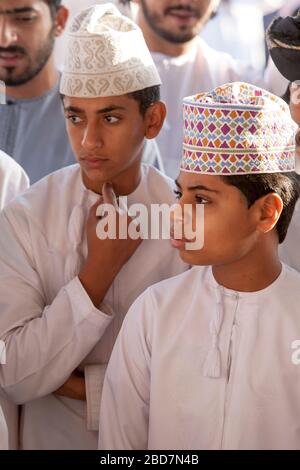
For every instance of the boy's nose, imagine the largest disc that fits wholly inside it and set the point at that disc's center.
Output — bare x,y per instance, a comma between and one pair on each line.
177,220
92,138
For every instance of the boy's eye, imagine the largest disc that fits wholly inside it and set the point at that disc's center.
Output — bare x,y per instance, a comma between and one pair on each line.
74,119
202,200
111,119
178,194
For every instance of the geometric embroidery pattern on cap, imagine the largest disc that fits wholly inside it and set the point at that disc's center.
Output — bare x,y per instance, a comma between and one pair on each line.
237,129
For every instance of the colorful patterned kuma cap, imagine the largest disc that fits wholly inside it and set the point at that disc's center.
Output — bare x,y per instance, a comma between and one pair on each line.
237,129
106,55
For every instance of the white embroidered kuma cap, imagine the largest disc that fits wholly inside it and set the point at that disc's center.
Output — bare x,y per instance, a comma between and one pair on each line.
106,55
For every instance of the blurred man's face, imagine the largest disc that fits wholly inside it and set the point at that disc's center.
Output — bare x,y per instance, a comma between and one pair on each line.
26,39
177,21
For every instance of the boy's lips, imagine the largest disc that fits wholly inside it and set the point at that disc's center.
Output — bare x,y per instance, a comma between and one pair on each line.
94,162
176,242
179,244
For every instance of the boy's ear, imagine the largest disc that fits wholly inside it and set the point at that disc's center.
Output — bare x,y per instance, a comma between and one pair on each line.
269,210
61,19
154,119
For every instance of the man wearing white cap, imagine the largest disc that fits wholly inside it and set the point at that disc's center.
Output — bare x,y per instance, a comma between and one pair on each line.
210,359
55,272
32,127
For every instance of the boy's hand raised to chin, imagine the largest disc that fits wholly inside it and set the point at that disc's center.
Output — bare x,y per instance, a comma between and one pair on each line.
105,257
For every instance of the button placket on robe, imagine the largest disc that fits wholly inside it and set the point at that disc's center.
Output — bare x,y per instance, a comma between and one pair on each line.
212,365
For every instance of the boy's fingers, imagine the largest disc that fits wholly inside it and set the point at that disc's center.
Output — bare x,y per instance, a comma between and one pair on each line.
109,196
95,207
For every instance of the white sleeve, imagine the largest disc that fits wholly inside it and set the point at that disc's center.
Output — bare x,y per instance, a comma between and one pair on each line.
124,411
21,182
13,179
44,343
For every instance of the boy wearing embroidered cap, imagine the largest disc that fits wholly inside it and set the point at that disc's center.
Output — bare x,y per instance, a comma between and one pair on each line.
210,359
55,272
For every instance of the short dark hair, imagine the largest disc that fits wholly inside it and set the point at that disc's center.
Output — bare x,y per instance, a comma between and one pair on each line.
53,5
255,186
146,97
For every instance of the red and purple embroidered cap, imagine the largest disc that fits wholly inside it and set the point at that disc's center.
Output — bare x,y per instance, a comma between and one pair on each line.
235,129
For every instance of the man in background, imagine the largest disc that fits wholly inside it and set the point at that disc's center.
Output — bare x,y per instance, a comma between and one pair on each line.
32,123
186,64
